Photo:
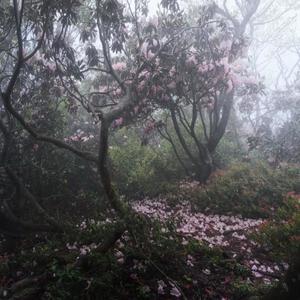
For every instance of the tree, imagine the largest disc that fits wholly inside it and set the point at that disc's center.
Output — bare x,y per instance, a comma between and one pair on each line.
43,65
196,86
275,131
34,55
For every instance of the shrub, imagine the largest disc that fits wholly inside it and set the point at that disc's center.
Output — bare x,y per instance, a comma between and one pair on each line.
281,235
252,190
281,238
229,151
142,169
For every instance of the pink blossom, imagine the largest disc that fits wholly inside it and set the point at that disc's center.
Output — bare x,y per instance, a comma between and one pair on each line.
165,98
141,85
251,80
119,121
50,65
119,254
175,292
119,66
155,43
203,68
226,44
211,67
128,81
150,54
117,92
145,74
225,64
35,147
257,274
147,53
184,242
103,89
229,86
190,260
83,251
161,286
193,50
172,72
120,260
192,60
71,247
172,85
206,271
239,65
144,48
74,138
210,106
236,80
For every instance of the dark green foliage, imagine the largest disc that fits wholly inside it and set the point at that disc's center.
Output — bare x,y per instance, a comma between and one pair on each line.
161,256
289,287
252,190
142,170
281,234
229,151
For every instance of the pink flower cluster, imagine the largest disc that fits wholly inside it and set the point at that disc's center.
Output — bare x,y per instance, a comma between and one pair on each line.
81,249
79,136
119,66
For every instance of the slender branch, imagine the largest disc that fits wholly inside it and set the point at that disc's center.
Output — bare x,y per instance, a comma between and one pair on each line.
29,196
220,130
181,138
106,53
20,61
60,144
104,172
203,122
168,138
13,219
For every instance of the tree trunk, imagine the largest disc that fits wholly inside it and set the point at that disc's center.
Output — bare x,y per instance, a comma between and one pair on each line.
203,172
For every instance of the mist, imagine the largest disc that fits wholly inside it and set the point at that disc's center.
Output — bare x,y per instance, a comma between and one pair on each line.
150,149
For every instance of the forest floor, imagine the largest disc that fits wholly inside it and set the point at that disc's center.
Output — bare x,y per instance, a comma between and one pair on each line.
203,256
233,234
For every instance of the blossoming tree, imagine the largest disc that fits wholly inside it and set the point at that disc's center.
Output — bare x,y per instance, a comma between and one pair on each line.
108,60
190,83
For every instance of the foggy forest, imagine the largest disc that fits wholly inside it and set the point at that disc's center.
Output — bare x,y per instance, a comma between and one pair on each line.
150,149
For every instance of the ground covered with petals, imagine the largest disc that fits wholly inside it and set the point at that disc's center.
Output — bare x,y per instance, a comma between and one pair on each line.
230,233
172,249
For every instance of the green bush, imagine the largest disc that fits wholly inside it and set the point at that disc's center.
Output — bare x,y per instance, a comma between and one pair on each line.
251,190
142,170
281,235
229,151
